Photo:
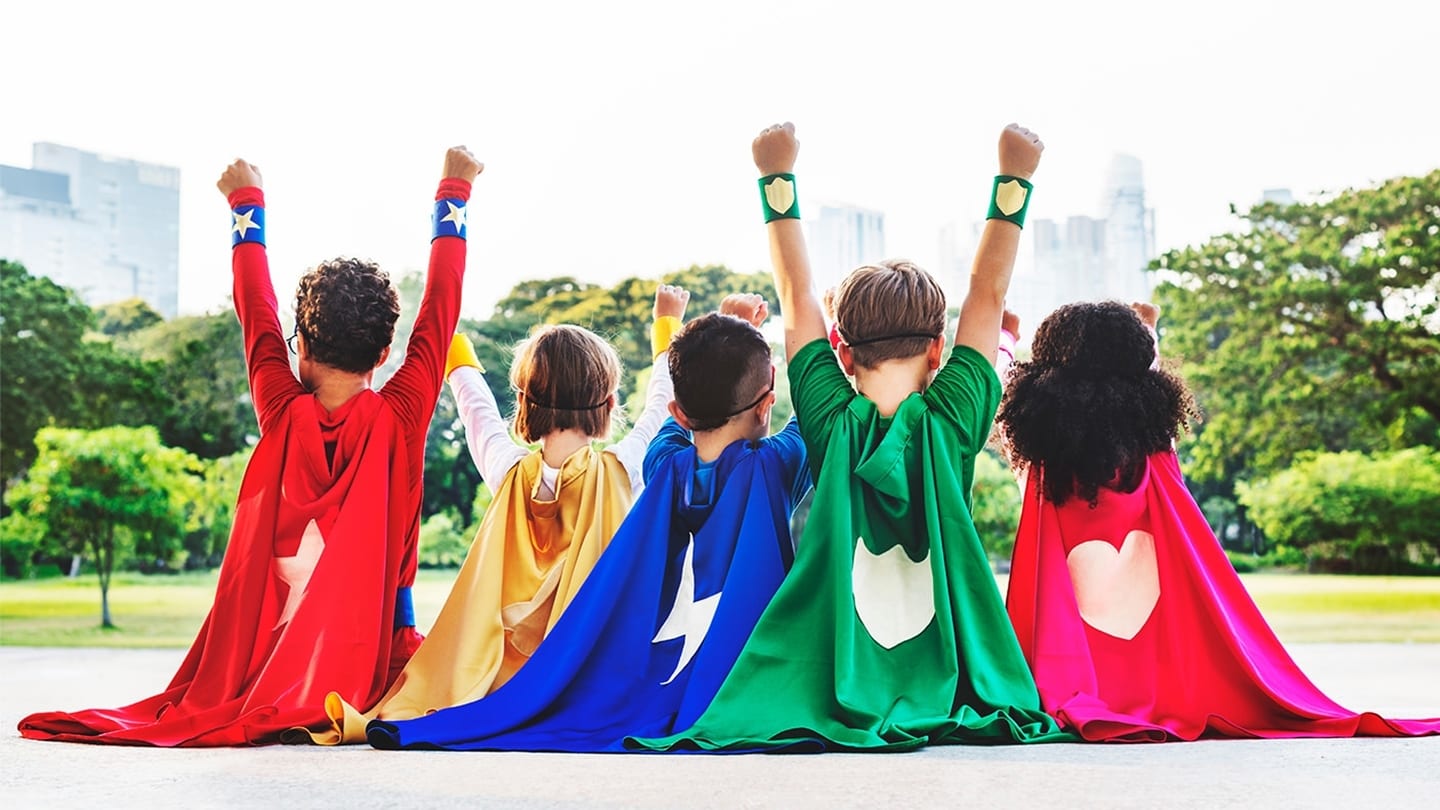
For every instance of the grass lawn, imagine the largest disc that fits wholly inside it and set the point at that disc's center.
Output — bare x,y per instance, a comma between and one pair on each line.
166,611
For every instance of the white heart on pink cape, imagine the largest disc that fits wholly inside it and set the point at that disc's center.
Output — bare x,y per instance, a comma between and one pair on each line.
1116,589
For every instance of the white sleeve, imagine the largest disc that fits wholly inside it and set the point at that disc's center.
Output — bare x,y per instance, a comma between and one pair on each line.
486,432
631,449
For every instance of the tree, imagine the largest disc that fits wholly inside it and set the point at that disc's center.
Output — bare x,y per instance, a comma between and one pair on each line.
210,512
996,505
1313,327
112,494
1372,513
125,317
42,332
201,378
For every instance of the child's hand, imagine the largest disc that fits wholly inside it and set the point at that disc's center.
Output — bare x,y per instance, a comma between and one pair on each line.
459,163
238,175
1010,322
749,307
828,302
671,300
1149,313
775,149
1019,151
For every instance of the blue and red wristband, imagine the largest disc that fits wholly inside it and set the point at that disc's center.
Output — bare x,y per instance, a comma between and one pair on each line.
449,218
247,224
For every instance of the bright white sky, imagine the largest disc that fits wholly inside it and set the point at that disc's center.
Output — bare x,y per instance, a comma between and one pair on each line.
616,135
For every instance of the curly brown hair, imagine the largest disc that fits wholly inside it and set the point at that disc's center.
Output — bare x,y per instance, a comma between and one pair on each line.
1088,409
346,310
718,363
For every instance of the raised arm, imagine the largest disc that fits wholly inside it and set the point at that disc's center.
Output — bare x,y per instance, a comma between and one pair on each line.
416,385
995,258
486,432
272,383
775,150
670,303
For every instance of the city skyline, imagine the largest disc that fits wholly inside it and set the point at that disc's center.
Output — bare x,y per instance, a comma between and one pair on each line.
617,139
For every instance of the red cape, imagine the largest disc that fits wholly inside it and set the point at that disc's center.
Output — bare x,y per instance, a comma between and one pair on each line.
250,673
1201,662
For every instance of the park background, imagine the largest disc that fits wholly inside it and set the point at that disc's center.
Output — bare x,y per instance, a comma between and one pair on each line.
617,137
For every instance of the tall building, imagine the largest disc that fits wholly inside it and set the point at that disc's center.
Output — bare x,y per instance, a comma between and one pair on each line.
841,238
1089,258
109,228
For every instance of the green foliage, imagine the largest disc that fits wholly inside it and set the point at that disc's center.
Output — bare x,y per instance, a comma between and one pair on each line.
997,505
111,494
1370,514
211,509
201,383
443,543
125,317
1316,327
42,331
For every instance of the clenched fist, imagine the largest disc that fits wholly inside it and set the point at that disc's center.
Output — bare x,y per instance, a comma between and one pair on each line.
1019,151
238,175
775,149
671,300
750,307
459,163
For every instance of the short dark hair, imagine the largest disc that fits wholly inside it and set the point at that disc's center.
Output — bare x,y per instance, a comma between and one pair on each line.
893,297
346,310
1087,409
718,363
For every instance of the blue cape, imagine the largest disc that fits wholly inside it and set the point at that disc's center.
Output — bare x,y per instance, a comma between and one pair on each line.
627,658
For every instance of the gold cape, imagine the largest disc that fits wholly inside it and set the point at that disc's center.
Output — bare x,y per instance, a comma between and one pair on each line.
527,561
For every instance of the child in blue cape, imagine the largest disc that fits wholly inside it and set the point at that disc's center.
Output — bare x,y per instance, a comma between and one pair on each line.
655,629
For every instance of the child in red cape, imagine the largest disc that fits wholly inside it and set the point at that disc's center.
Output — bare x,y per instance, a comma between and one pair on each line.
314,590
1131,617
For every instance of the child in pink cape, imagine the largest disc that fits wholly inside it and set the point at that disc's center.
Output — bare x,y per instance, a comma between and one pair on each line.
1126,607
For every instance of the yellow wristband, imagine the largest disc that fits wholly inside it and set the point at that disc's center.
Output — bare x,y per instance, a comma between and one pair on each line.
462,353
660,334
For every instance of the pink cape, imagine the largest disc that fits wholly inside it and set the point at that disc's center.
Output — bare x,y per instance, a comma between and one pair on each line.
1201,662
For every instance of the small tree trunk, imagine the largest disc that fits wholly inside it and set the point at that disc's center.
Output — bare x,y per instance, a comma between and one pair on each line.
104,559
75,562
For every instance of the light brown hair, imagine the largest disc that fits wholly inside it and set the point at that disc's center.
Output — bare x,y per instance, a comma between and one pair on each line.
892,298
564,377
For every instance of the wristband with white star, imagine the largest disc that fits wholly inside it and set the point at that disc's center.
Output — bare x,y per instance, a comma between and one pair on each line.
247,224
449,218
1010,199
777,197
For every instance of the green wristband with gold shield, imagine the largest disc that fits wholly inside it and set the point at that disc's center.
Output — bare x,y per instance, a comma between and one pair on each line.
777,197
1010,199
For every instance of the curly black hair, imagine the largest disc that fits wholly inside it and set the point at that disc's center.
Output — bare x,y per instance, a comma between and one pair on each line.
1087,409
346,310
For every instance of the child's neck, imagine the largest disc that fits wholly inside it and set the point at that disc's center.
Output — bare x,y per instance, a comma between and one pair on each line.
709,444
334,388
559,445
890,383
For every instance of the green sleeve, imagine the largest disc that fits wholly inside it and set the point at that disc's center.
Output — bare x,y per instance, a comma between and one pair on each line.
820,391
966,392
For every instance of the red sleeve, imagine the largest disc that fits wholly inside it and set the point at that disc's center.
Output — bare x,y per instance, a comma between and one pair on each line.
413,390
272,383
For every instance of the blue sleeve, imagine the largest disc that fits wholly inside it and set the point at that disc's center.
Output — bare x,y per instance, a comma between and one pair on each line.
790,448
670,440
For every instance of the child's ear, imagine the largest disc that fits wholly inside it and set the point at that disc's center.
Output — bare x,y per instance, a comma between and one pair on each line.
384,355
935,352
679,416
847,358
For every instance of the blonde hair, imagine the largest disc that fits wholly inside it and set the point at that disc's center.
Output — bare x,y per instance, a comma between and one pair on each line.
564,377
889,309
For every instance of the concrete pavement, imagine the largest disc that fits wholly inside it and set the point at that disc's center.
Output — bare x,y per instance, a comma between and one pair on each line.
1394,679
